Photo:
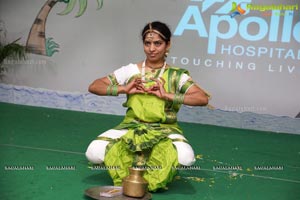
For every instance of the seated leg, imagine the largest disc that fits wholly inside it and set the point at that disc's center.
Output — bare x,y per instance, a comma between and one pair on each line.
95,152
185,152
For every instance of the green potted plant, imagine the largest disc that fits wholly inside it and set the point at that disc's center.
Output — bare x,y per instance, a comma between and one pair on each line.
13,51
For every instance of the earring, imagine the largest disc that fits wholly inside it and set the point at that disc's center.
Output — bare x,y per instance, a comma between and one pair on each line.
167,53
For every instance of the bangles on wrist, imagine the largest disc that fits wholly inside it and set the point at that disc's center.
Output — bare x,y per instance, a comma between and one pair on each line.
112,90
178,98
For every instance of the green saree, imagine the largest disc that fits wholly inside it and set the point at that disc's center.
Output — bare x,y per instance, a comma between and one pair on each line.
149,121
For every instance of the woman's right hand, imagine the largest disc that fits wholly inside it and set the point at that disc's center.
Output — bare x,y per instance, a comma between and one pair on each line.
136,86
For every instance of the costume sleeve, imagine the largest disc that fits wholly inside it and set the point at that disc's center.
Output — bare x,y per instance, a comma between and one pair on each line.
123,74
185,82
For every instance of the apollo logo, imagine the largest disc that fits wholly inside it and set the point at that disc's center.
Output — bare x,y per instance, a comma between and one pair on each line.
275,29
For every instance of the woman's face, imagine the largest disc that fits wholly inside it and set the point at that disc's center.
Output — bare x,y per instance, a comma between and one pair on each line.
155,47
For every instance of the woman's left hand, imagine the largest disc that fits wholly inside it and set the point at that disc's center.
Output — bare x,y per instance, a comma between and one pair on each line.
157,89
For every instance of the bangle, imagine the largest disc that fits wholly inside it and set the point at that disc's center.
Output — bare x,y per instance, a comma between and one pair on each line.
108,90
112,90
178,98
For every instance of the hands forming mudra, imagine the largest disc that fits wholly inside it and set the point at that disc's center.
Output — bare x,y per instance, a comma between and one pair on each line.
139,86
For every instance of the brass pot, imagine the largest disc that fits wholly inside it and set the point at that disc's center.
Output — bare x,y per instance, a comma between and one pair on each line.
134,185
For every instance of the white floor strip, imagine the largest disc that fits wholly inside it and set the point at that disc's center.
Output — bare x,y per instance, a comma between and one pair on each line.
42,149
253,175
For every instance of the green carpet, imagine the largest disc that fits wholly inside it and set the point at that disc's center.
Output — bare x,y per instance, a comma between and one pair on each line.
40,139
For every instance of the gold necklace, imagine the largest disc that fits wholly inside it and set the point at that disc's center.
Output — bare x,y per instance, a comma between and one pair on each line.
153,69
160,74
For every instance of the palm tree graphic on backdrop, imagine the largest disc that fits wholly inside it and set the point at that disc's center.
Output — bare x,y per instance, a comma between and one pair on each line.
37,43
